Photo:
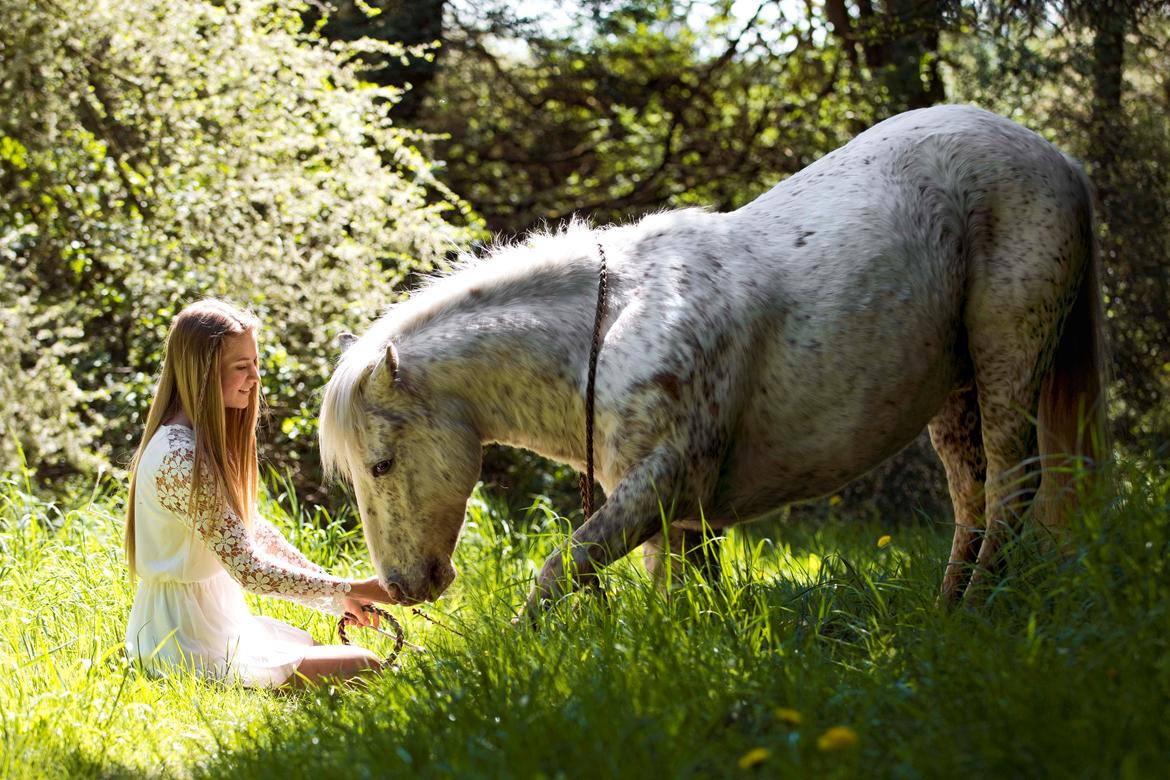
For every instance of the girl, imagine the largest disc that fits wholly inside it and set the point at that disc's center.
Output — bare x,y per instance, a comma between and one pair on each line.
193,533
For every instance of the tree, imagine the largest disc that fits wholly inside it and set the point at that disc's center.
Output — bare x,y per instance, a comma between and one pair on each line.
898,42
415,25
1125,137
629,110
164,151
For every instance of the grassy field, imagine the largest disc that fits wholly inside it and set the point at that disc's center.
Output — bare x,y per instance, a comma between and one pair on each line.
819,654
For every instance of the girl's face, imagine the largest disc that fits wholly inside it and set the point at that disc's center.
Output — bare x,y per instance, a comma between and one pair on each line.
239,370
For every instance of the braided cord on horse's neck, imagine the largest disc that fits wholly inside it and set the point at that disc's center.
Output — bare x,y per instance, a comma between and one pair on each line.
587,477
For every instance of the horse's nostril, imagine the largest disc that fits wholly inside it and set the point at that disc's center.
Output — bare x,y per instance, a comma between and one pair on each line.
394,585
441,574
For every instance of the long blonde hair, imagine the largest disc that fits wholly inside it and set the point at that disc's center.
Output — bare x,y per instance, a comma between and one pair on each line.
225,467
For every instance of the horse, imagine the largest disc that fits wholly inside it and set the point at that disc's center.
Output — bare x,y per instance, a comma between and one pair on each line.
939,271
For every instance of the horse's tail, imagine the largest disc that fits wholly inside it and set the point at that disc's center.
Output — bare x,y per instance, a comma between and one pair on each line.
1072,425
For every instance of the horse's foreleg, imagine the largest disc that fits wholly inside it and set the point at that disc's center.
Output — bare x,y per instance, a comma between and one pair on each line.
664,555
633,514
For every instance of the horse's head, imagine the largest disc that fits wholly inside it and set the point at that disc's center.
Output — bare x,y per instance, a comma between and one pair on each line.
413,458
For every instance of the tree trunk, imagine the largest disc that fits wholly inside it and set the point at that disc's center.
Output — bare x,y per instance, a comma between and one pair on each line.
1109,23
911,74
899,47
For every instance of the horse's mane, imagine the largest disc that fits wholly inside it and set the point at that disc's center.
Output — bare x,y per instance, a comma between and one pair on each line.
504,264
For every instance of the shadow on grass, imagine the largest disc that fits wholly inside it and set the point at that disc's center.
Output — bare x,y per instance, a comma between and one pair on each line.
798,662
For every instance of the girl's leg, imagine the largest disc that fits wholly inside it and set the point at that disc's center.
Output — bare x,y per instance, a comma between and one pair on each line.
334,662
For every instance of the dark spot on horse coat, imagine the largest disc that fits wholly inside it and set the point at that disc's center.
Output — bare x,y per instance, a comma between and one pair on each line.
669,383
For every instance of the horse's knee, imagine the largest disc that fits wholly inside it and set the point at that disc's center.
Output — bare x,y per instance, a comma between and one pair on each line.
564,570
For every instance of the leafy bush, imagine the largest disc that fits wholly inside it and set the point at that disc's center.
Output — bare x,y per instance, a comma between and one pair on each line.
163,151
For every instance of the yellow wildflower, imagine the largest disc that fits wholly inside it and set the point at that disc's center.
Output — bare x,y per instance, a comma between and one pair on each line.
753,757
883,541
789,716
837,738
835,500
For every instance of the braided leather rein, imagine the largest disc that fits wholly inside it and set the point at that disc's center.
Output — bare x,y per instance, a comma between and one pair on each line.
398,635
586,479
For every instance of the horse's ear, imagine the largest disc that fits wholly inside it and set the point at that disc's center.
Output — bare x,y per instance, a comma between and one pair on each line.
392,360
345,341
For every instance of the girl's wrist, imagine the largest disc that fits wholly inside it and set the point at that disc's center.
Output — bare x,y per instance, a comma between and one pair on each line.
361,589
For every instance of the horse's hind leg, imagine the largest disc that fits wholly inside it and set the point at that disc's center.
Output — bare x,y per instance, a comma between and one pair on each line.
1013,479
1025,270
1011,344
957,436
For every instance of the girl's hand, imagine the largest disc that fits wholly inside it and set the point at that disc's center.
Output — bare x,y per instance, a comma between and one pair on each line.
371,590
353,609
363,592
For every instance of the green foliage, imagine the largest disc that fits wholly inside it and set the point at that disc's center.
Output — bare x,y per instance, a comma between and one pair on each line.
160,151
414,23
634,109
1062,673
163,151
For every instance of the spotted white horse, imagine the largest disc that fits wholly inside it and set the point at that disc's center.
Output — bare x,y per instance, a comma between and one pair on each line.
939,270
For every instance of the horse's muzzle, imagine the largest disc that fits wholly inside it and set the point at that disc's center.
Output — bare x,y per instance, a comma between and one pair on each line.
439,576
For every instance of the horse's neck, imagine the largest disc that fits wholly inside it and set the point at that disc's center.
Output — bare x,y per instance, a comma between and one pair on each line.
516,360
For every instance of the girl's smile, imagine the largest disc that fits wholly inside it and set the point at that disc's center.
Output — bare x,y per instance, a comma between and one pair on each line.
239,370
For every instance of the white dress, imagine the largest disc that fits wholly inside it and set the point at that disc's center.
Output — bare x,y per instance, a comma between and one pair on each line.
189,609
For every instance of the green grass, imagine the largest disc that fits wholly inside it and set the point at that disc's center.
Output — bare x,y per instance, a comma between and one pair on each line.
1065,672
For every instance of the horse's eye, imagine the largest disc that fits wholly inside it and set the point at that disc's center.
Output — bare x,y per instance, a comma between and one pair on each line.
381,467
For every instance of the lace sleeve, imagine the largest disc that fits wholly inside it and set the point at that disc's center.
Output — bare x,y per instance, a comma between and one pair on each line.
226,535
273,544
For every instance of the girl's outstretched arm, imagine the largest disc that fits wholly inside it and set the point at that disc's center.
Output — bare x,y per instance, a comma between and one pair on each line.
226,534
273,543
